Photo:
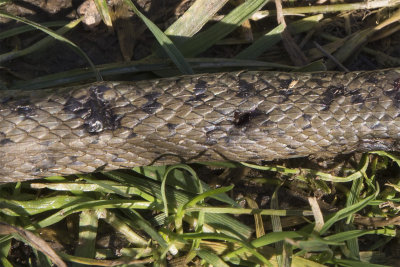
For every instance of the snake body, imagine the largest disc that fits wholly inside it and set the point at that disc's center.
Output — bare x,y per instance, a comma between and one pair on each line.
240,116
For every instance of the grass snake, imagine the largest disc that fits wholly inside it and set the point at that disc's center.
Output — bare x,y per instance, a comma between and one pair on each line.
240,116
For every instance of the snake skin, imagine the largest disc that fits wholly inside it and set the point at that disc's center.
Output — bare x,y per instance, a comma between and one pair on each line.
240,116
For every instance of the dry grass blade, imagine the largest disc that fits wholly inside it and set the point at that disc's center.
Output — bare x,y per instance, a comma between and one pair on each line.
33,240
319,219
199,13
295,53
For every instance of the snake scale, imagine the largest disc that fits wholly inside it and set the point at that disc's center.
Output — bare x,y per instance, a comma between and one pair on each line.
240,116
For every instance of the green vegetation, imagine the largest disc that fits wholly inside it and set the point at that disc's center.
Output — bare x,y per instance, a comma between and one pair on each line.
168,215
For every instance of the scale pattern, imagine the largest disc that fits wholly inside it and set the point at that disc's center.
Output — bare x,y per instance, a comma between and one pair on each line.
240,116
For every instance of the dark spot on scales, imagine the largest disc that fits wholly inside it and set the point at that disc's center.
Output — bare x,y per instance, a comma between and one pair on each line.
22,107
199,89
6,141
317,81
307,117
95,110
45,165
356,97
152,105
25,110
284,83
243,118
285,93
171,126
372,79
330,94
246,89
395,93
132,135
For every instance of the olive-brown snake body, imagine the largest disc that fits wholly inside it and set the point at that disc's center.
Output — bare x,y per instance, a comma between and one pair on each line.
241,116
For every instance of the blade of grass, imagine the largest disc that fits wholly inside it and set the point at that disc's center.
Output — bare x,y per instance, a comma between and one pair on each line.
166,43
218,236
211,258
199,13
343,213
303,173
230,22
102,7
38,45
57,37
88,225
272,37
27,28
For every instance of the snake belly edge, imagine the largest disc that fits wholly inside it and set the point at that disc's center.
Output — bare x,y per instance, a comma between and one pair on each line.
240,116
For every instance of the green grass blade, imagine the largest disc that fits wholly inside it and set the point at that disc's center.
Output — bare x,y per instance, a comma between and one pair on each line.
166,43
272,37
343,236
57,37
343,213
230,22
211,258
88,225
27,28
40,44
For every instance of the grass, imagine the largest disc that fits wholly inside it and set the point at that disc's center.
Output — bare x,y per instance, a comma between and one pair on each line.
167,215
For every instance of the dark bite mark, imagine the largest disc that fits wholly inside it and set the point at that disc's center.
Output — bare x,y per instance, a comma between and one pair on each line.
356,97
151,108
23,107
95,110
243,118
171,126
330,94
245,89
132,135
199,91
307,117
6,141
372,80
284,84
25,110
200,87
152,105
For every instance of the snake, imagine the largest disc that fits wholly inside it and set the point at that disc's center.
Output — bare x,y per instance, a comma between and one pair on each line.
242,116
